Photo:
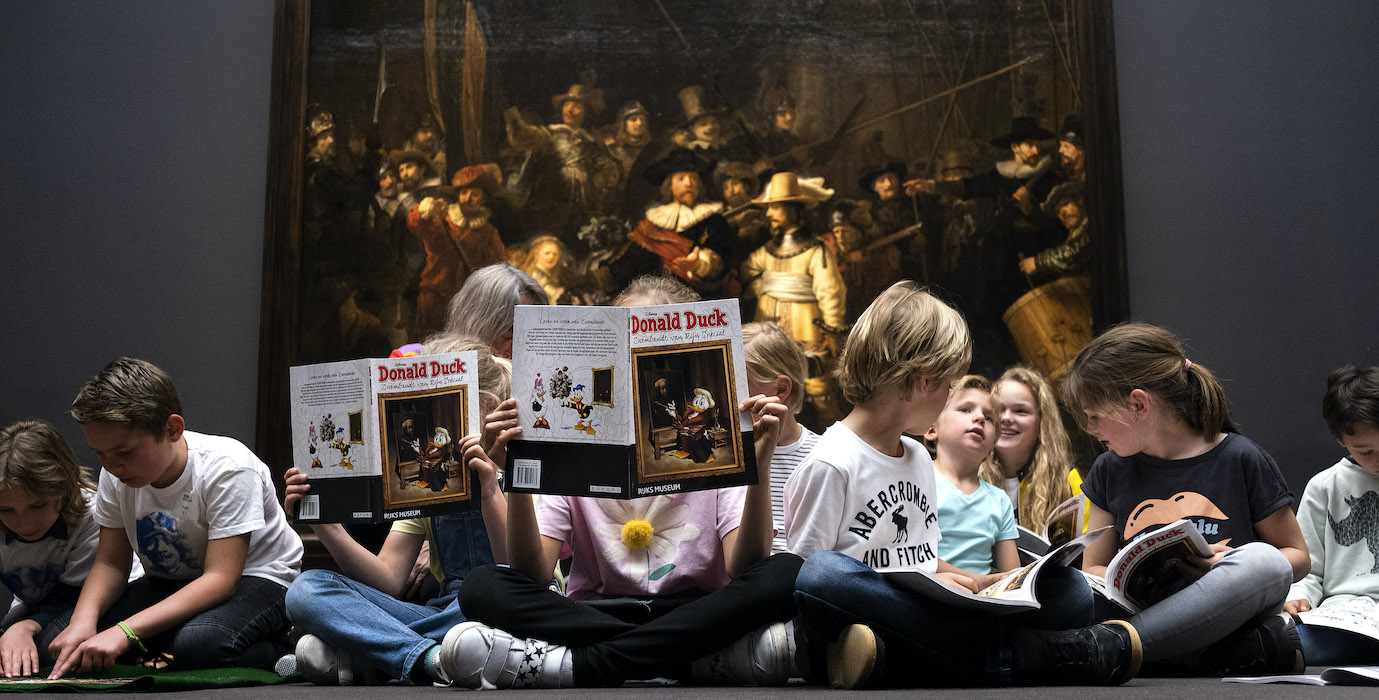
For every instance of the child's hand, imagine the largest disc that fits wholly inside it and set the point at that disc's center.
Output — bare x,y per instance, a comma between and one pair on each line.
1196,567
18,653
296,488
80,649
499,427
477,460
1293,607
766,415
958,581
984,582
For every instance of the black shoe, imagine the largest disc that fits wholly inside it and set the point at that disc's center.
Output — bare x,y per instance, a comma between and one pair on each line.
1106,654
1264,647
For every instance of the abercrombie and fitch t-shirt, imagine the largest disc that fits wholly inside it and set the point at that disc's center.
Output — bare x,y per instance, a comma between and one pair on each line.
1224,491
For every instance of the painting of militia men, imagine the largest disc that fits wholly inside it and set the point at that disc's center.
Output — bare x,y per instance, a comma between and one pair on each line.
799,157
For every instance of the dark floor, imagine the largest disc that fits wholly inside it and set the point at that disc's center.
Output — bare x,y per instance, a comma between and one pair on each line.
1182,689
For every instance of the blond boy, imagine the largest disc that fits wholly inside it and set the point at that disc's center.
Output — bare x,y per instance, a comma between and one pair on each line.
865,500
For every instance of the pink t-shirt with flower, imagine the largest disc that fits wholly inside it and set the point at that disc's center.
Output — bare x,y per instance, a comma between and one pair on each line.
673,543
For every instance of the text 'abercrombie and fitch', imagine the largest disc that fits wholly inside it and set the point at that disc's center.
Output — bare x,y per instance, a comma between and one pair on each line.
419,370
673,321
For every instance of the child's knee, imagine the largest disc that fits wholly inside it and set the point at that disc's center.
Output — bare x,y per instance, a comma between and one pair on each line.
482,588
303,599
823,568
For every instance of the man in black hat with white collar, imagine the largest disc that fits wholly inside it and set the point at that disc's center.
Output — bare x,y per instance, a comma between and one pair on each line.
685,235
1025,180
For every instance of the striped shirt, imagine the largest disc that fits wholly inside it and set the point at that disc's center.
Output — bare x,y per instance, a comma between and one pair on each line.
783,464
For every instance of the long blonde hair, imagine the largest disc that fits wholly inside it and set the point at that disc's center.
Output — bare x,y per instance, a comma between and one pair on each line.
1052,458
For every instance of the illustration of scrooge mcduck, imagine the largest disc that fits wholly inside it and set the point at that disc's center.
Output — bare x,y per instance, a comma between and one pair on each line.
695,440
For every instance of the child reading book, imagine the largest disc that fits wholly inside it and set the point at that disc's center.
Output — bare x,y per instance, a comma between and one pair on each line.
358,631
976,518
1338,515
866,499
776,367
679,586
203,515
1172,454
1033,460
49,540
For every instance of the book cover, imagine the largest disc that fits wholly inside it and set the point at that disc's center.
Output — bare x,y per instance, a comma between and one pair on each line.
379,437
625,402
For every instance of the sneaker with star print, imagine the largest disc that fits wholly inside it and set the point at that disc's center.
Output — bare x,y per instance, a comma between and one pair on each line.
474,655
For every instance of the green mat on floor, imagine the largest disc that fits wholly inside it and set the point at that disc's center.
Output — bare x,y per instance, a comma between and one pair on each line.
139,679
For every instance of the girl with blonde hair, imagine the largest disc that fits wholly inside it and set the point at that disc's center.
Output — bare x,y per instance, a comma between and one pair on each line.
1033,460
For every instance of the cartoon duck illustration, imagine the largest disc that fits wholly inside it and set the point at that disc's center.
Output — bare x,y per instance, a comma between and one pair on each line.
695,441
583,410
538,406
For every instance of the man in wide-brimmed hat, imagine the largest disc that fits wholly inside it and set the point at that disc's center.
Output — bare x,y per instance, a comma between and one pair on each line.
797,284
1067,203
1025,179
687,235
453,224
415,171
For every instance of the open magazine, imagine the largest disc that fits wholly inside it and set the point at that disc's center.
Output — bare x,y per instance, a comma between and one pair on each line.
625,402
379,438
1359,616
1145,571
1013,593
1340,675
1066,521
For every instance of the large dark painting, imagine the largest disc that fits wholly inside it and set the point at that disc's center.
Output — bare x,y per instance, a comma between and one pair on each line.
800,156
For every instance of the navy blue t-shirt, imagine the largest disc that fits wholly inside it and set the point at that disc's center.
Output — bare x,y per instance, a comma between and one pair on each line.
1224,491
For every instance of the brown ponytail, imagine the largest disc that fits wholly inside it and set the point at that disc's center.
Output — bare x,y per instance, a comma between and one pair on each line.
1140,356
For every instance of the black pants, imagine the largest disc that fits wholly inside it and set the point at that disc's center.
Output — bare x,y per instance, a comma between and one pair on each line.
247,630
625,639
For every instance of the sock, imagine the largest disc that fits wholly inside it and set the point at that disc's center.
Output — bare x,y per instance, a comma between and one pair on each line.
429,662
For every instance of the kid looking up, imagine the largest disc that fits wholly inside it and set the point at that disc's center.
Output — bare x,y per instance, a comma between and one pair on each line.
976,518
49,540
1171,454
776,366
865,499
1033,460
203,515
358,631
1338,519
679,586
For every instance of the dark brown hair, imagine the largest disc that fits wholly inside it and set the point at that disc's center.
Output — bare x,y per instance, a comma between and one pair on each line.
132,393
1140,356
33,456
1352,398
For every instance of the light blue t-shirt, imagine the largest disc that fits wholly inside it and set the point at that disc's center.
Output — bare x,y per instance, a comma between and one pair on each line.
972,525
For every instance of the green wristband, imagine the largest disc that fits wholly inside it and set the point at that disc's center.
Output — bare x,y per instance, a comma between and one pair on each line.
130,633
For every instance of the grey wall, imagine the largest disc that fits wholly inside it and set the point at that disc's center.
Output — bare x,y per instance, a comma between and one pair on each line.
1250,145
135,140
135,144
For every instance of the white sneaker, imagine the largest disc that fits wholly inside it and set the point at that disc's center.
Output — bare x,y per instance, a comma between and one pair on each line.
474,655
760,658
323,664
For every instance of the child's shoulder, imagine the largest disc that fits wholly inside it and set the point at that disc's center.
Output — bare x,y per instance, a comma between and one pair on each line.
1343,470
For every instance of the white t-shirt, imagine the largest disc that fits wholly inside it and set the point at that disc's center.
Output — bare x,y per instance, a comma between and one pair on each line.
224,491
849,497
972,524
783,464
30,570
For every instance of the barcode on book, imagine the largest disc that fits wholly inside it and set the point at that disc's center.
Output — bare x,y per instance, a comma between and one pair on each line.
526,473
309,508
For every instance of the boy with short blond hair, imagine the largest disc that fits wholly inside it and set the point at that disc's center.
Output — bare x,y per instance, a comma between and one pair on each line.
865,500
202,513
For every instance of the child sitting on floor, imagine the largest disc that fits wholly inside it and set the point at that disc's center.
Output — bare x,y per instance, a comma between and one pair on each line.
1172,453
679,586
976,518
49,540
1033,461
865,499
776,366
358,631
203,515
1338,518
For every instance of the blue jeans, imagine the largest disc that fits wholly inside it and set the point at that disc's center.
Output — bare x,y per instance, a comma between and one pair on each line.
926,642
1249,583
1324,646
390,634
